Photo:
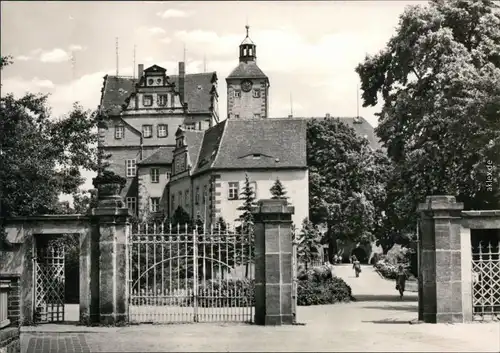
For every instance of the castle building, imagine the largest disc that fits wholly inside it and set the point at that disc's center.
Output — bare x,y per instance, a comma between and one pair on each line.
143,115
247,86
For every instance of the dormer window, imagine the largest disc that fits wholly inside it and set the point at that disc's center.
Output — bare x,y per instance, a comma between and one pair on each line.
256,156
147,100
180,142
119,132
150,82
162,100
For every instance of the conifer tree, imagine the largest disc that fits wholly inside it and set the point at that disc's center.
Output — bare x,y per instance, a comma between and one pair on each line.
245,231
308,243
278,190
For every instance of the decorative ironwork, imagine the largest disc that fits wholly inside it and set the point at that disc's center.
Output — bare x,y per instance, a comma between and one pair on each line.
486,278
49,282
190,274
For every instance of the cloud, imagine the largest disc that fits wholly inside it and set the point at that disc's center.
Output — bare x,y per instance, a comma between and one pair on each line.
156,30
171,13
166,40
23,58
76,47
42,83
56,55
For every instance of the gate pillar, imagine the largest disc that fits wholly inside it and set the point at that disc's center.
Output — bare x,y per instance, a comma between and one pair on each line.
440,272
111,223
273,263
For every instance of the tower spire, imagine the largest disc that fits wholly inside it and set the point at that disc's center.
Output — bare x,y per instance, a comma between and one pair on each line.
248,48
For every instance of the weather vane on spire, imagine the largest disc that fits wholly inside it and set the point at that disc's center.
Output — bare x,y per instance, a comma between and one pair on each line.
247,27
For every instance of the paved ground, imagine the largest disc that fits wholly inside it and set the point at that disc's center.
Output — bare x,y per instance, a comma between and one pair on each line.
378,321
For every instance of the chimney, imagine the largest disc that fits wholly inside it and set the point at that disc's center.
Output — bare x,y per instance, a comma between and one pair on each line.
140,70
182,73
327,115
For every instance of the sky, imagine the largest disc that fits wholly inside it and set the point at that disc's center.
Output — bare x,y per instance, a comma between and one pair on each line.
309,50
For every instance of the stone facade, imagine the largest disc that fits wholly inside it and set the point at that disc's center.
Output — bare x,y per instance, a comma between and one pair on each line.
10,334
445,272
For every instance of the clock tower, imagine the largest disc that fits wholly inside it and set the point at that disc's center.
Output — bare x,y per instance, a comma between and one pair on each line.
247,86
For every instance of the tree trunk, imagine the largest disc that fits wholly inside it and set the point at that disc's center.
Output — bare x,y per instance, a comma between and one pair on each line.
332,244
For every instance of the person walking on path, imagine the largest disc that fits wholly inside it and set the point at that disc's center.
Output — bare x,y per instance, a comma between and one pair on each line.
356,265
401,281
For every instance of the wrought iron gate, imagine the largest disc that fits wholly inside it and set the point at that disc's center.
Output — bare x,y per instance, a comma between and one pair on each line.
49,281
486,278
190,274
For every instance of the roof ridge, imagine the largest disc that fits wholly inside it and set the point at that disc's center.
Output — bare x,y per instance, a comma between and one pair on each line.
220,142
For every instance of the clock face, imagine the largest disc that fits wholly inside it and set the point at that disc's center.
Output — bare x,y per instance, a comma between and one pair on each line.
246,86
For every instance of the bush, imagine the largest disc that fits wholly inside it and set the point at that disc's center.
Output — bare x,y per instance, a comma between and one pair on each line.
319,286
386,269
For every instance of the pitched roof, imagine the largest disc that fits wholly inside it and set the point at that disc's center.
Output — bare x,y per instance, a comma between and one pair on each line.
247,70
360,125
194,139
197,90
117,89
162,156
250,144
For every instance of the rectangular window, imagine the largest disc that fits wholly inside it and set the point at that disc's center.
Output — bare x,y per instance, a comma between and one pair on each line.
155,175
253,185
256,116
186,199
155,204
131,204
119,130
162,130
190,127
234,189
237,94
147,131
162,100
168,174
130,167
205,195
236,116
256,93
197,196
199,125
147,100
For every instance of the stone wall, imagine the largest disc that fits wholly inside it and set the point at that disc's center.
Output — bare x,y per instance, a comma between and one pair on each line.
10,335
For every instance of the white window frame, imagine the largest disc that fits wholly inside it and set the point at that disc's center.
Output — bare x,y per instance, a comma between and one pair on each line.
147,131
147,97
119,132
162,130
131,203
154,204
162,100
131,168
154,174
197,196
205,194
233,191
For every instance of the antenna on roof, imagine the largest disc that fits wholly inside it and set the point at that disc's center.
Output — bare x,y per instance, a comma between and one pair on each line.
117,56
134,60
357,101
184,57
204,63
291,106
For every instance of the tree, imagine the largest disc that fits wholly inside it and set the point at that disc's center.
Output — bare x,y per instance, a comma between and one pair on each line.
180,218
278,190
346,182
308,243
245,232
41,156
439,81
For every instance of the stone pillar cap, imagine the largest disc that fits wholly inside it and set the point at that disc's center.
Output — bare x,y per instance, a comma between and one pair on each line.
273,206
440,202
